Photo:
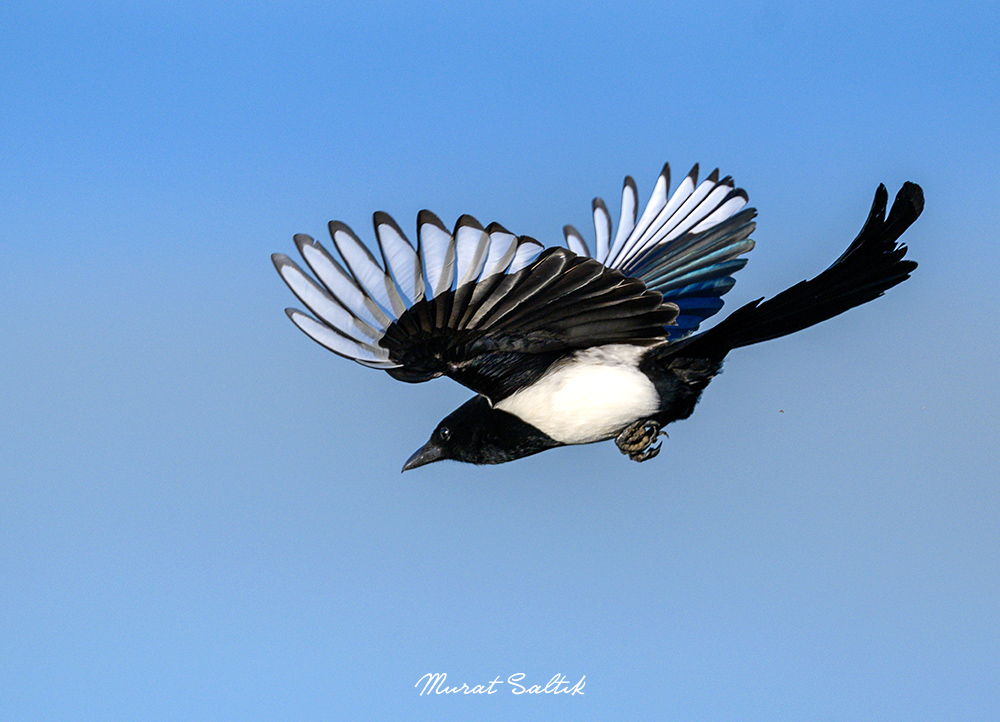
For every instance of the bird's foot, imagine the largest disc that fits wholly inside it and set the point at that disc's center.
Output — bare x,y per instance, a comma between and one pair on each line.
637,440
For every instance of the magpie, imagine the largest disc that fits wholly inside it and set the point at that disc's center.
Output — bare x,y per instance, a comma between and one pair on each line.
563,346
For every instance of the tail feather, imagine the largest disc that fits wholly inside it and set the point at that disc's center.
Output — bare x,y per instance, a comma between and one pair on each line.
870,266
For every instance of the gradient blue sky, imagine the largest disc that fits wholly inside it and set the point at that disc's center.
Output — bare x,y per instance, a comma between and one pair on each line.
201,511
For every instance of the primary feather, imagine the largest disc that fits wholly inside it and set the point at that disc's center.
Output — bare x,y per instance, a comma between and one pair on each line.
685,246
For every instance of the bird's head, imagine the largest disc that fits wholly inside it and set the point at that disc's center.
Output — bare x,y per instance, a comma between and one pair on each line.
477,433
457,436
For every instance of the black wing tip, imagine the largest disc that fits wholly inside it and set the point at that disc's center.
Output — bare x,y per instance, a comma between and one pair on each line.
745,212
302,240
335,226
468,221
425,216
381,218
495,227
281,261
570,231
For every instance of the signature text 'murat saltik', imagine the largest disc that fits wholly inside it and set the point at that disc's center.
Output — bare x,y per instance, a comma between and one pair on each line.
435,684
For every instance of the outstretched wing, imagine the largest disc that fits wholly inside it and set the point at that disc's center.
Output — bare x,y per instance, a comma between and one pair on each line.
485,307
685,245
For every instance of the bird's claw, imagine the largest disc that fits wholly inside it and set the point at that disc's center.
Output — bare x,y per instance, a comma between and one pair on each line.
637,440
647,454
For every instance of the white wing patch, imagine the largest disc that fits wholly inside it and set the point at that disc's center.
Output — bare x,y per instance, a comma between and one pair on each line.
400,258
437,253
693,208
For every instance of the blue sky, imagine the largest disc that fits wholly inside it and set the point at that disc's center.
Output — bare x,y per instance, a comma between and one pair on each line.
201,511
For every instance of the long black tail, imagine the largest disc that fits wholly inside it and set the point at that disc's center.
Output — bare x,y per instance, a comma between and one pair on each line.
871,265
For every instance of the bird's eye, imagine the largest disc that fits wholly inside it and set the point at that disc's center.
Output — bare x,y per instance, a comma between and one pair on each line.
445,433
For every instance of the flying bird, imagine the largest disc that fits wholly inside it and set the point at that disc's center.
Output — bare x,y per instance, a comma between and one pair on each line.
561,345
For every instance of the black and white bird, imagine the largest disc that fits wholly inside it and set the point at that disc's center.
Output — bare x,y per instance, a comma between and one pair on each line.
563,346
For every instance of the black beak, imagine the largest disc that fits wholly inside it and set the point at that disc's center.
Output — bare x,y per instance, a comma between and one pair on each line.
424,455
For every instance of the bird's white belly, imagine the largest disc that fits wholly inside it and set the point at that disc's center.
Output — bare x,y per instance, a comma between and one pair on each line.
590,397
